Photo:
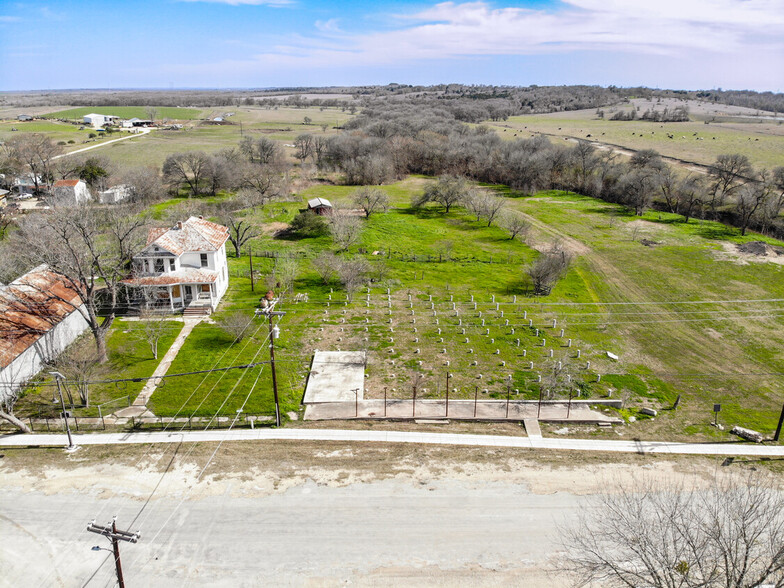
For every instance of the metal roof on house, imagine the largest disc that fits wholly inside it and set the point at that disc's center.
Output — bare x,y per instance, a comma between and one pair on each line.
316,202
181,276
30,307
68,183
195,234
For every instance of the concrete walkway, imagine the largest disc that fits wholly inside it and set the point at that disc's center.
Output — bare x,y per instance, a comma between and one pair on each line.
139,406
630,446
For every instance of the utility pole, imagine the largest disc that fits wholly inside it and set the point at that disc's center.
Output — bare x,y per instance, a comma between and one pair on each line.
58,376
274,332
115,536
250,261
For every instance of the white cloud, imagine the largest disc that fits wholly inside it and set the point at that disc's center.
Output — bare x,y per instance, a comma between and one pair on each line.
740,31
4,18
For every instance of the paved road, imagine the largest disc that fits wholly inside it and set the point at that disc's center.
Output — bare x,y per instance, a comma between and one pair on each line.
392,532
534,442
140,134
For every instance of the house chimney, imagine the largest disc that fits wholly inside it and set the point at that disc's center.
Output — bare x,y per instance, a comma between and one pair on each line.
179,224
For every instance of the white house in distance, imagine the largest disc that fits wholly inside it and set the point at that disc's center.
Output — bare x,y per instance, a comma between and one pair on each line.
70,192
39,317
100,120
114,194
182,268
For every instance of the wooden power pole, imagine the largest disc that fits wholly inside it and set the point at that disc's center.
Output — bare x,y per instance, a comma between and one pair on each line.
115,536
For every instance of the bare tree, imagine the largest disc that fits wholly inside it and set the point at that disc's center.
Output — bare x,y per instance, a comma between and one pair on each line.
144,183
345,228
670,535
352,273
728,174
326,264
548,268
8,400
241,230
638,187
152,113
188,168
263,150
749,199
90,250
153,326
371,200
34,154
79,368
690,195
447,191
516,225
283,274
303,146
235,324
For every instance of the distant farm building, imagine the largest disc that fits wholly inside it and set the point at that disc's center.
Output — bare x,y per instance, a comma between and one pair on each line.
40,315
100,120
25,184
114,194
136,122
320,206
24,117
70,192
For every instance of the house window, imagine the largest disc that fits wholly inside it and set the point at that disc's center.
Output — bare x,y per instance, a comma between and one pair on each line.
159,266
203,260
171,265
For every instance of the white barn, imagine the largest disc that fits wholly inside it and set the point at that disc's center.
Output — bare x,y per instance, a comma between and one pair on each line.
39,317
70,192
99,120
182,268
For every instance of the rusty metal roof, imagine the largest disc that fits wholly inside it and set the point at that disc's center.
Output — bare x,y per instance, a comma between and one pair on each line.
181,276
195,234
71,183
30,307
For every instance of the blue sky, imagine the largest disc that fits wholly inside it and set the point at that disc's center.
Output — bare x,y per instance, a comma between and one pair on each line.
691,44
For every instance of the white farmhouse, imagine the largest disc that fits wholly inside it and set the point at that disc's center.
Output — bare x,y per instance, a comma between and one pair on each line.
39,317
182,268
70,192
99,120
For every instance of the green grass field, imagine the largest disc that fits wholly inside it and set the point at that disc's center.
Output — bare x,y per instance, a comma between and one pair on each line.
129,357
128,112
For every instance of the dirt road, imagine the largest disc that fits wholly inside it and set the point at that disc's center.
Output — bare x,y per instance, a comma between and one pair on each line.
312,515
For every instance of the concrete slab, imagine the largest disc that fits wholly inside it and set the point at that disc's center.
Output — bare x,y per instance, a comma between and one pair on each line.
483,410
334,375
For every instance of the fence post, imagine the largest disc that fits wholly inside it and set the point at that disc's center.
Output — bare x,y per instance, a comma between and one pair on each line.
76,422
31,423
47,424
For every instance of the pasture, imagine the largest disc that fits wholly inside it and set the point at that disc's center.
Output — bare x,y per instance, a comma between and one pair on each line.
169,112
762,141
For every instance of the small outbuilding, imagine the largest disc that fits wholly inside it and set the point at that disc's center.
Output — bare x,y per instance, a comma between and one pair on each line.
114,194
70,192
320,206
24,117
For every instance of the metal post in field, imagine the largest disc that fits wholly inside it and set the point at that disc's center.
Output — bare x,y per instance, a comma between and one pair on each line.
476,397
781,422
